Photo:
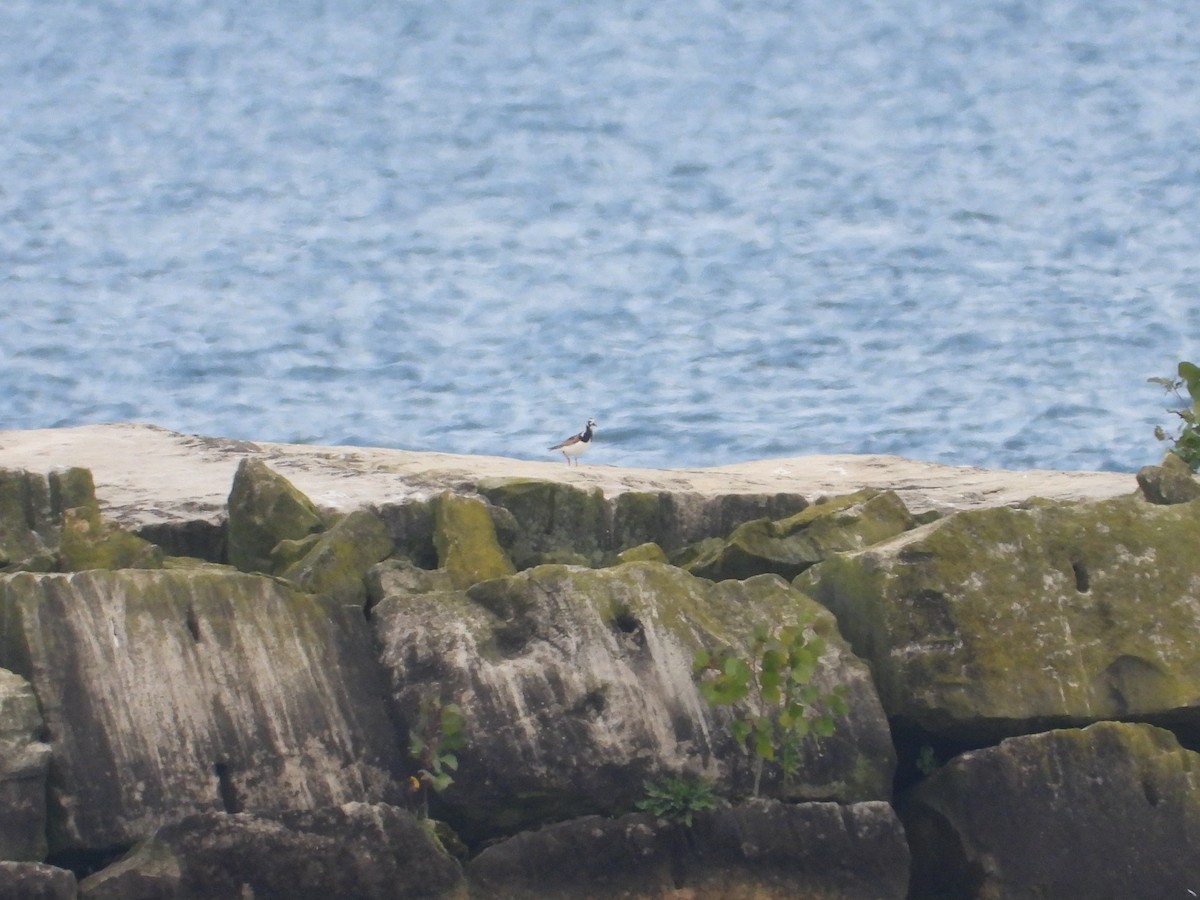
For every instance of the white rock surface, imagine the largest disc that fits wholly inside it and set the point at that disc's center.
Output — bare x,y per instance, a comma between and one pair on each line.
148,475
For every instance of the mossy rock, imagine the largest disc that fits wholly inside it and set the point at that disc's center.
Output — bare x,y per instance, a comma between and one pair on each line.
551,517
338,560
1111,810
577,685
88,542
1003,621
788,546
27,525
1171,481
465,538
264,509
650,552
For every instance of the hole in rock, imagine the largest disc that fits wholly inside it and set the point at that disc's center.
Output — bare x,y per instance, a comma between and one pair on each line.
1082,584
627,622
227,789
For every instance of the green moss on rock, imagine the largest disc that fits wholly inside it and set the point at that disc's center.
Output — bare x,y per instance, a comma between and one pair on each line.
577,685
649,552
788,546
551,517
337,562
465,538
264,509
996,621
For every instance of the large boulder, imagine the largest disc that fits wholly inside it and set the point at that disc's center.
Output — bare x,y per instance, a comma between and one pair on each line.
465,537
1109,811
24,762
357,850
336,564
576,685
762,849
177,691
36,881
1004,621
264,509
789,546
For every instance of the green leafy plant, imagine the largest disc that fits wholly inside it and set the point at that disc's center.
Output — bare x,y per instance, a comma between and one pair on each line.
432,742
927,761
1186,441
776,702
678,799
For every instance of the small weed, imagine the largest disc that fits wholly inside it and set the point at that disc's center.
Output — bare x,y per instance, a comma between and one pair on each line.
678,799
1186,441
432,742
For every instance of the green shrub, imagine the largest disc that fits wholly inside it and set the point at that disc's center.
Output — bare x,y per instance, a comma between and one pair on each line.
1187,440
432,742
773,690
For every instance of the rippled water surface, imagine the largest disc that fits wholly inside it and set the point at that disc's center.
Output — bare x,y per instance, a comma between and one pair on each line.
962,232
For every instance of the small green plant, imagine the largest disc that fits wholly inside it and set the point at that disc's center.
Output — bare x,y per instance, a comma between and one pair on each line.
927,761
678,799
774,690
432,742
1186,440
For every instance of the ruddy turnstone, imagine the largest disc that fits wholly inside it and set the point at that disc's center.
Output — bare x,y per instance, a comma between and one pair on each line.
574,446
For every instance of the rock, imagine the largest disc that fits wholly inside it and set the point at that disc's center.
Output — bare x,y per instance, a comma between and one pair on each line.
1171,481
28,527
789,546
642,553
177,691
54,523
1109,811
337,563
674,519
551,517
35,881
357,850
465,539
576,685
86,540
997,622
264,509
397,577
762,849
24,762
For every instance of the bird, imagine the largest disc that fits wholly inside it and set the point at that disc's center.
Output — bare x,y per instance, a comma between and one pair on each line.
576,443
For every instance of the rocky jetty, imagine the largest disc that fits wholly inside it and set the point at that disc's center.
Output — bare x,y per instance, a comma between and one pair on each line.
258,670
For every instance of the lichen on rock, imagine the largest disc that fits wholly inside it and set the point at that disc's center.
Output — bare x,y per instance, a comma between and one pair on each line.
577,684
170,692
264,509
1000,621
465,538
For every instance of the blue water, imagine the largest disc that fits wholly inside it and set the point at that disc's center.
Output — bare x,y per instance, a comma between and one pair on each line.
965,232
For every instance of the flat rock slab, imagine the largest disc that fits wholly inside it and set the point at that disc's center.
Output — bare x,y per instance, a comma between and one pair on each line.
147,475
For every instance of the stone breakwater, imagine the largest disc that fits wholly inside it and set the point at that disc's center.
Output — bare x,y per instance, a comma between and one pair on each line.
214,656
